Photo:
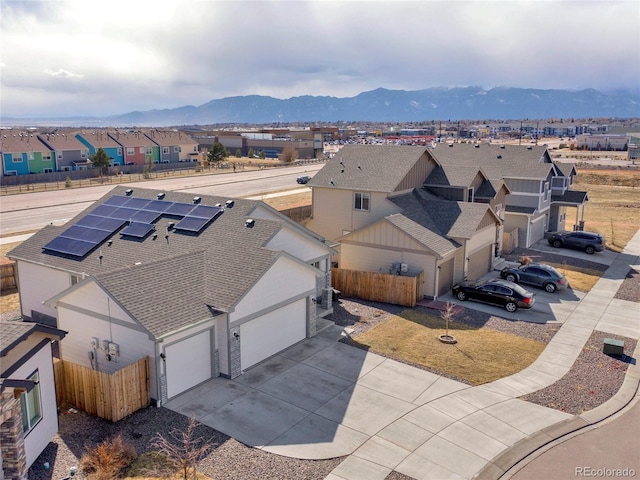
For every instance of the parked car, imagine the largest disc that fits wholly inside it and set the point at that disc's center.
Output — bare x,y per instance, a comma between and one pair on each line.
509,295
538,274
587,241
303,179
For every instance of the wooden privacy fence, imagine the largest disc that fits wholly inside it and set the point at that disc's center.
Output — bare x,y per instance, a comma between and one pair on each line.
379,287
8,274
109,396
509,241
298,214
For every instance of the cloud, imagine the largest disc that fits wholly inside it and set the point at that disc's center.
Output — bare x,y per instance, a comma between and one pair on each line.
102,58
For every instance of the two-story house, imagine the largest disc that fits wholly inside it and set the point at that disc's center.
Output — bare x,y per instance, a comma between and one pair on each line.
531,177
174,146
23,153
99,138
70,153
204,286
137,148
371,201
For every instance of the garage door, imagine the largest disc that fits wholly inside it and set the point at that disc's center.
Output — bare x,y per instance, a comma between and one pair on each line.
445,277
479,263
271,333
188,363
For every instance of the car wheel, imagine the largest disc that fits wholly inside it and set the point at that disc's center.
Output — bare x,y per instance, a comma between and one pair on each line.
557,243
461,295
511,307
589,250
550,287
510,278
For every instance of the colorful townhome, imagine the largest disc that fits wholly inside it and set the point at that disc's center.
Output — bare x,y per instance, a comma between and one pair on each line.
174,146
138,149
70,153
95,139
23,153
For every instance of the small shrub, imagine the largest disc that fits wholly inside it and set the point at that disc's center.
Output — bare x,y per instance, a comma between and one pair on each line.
67,182
108,459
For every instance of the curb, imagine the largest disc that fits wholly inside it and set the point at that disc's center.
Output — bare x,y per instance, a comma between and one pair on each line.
516,457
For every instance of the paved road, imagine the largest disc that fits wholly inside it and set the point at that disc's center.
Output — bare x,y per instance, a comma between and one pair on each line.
612,445
32,211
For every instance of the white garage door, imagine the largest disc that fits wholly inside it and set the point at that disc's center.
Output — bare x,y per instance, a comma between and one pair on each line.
188,363
271,333
479,263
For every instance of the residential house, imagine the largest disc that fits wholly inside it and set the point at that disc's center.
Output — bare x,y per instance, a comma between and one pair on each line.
204,286
173,146
99,138
70,153
23,153
529,173
371,201
138,149
27,394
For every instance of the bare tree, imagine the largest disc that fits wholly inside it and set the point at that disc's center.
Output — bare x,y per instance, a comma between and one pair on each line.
183,448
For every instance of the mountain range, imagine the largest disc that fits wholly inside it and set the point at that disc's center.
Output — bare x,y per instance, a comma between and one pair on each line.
382,105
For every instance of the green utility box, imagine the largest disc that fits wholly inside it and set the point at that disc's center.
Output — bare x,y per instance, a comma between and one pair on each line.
613,347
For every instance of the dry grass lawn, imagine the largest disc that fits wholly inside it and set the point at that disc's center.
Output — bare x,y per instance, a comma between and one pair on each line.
480,356
579,278
612,210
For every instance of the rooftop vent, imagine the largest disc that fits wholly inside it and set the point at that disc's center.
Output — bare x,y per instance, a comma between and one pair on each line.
477,145
249,222
160,196
451,145
229,203
196,199
332,182
128,191
529,147
502,147
170,225
218,204
499,156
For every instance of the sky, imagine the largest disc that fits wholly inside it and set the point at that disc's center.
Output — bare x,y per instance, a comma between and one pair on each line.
98,58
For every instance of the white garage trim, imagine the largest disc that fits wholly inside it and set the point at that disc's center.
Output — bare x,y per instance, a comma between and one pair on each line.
188,362
273,332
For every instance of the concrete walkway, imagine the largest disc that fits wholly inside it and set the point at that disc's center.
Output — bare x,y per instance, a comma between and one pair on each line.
483,431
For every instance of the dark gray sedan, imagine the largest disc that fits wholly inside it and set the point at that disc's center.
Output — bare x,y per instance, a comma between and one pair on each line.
538,274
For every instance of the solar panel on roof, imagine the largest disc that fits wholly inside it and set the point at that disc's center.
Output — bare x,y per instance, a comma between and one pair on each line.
158,206
124,213
104,210
138,203
87,234
116,200
179,209
202,211
138,230
68,246
192,224
101,223
145,216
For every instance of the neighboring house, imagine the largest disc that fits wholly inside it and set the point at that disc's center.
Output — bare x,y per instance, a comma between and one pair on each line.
370,199
70,153
138,149
99,138
204,286
27,394
174,146
23,153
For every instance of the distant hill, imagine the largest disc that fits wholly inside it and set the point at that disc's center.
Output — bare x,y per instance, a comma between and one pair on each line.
382,105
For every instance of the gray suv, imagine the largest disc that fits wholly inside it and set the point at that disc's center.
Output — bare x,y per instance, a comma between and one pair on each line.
587,241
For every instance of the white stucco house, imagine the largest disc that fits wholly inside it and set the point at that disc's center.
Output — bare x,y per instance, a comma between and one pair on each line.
29,415
204,286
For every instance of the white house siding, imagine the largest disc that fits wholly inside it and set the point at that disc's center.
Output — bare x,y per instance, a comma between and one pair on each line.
369,258
88,312
38,283
38,438
297,244
272,332
285,281
519,221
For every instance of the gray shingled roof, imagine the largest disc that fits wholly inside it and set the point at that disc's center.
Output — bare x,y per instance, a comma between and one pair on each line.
373,168
167,282
13,332
574,197
453,175
512,161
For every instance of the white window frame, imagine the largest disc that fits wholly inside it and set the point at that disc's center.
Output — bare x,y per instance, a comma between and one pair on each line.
176,149
195,148
120,151
11,173
470,195
148,151
59,155
16,159
66,168
141,149
547,190
83,154
131,151
48,170
31,405
166,150
359,200
46,158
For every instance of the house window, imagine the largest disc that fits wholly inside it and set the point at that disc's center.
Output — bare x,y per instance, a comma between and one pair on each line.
147,151
176,149
120,151
83,154
46,158
17,159
165,150
48,170
65,169
59,155
131,151
361,201
546,191
30,405
470,195
195,148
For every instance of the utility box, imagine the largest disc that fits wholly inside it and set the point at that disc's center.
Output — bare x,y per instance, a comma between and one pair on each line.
613,347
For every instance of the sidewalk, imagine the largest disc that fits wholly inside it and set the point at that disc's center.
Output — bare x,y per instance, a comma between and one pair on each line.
481,432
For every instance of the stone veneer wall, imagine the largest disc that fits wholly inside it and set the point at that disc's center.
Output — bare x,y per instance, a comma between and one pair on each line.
12,455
